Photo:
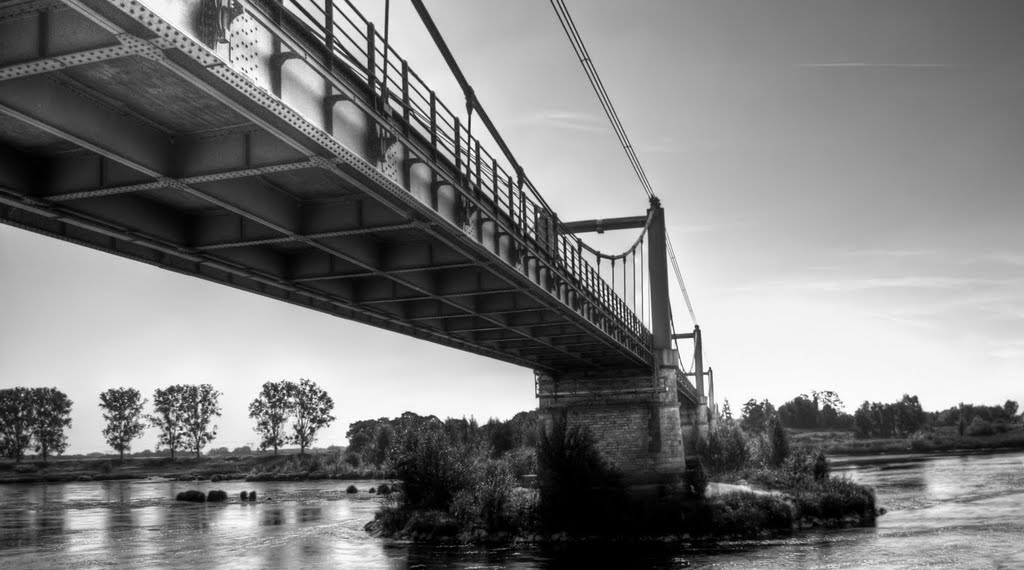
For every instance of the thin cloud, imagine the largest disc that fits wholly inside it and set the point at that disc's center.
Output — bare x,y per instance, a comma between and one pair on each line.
569,120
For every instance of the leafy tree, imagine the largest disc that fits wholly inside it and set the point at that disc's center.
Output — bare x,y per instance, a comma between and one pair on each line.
167,417
1010,409
272,409
51,416
312,412
863,421
16,420
756,415
122,410
199,405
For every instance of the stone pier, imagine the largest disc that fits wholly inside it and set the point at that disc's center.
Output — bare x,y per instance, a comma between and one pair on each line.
635,418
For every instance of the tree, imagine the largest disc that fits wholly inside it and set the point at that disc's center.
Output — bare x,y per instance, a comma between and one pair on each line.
51,416
312,412
271,409
1010,409
122,410
756,415
199,404
16,420
167,417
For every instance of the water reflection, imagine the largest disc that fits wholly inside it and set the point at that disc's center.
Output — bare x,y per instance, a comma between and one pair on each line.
945,512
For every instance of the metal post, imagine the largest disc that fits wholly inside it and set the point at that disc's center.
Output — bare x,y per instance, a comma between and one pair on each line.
711,393
698,358
658,266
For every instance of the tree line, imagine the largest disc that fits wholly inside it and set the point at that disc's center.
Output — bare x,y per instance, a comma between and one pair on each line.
183,415
824,410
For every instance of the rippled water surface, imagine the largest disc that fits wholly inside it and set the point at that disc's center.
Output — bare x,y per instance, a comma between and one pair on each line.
944,512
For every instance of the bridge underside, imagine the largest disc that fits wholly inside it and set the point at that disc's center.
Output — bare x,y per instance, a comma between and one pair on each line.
122,132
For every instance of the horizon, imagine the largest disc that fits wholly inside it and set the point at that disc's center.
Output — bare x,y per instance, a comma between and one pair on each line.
841,187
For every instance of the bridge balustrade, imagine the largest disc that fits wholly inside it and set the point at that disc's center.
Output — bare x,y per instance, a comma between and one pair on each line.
486,185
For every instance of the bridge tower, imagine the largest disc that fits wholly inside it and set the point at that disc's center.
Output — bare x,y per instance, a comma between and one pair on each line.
641,418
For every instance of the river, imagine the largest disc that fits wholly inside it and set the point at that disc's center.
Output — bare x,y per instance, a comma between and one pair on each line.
951,511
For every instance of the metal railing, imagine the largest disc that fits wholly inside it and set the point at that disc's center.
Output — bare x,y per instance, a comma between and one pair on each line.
396,91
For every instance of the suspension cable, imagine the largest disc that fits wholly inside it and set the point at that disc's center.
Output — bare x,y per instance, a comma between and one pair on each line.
679,278
573,34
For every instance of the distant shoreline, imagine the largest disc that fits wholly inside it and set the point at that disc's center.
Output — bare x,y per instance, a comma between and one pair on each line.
843,443
256,467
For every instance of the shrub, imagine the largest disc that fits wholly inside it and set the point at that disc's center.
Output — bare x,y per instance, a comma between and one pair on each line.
697,479
191,496
252,495
372,490
384,489
216,496
492,493
25,468
522,461
432,468
244,496
779,442
351,489
726,449
579,490
821,467
979,426
749,514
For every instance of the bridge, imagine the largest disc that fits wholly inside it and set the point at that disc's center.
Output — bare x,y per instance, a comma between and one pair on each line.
284,148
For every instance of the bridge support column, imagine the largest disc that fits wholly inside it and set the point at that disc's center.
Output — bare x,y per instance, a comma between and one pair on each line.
634,418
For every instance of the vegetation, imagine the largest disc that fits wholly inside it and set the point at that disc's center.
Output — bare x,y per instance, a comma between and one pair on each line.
122,410
272,409
183,413
52,415
312,408
166,417
199,406
33,418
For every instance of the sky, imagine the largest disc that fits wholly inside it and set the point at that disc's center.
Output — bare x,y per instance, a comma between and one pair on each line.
841,182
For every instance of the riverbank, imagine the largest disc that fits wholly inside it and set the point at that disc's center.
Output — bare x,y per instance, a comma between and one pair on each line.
256,467
940,440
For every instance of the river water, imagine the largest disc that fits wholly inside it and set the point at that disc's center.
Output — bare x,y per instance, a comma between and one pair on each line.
954,511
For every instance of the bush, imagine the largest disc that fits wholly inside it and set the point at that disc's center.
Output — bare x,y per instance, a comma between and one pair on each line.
979,426
372,490
779,442
191,496
579,491
697,479
493,493
384,489
433,469
726,449
216,496
821,467
351,489
749,514
252,495
522,461
244,496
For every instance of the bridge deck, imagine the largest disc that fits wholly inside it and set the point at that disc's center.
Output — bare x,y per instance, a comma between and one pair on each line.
267,164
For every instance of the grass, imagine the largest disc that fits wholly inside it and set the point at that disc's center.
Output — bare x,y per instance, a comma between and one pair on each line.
936,440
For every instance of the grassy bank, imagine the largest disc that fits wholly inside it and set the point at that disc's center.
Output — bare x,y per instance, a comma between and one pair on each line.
256,467
842,442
